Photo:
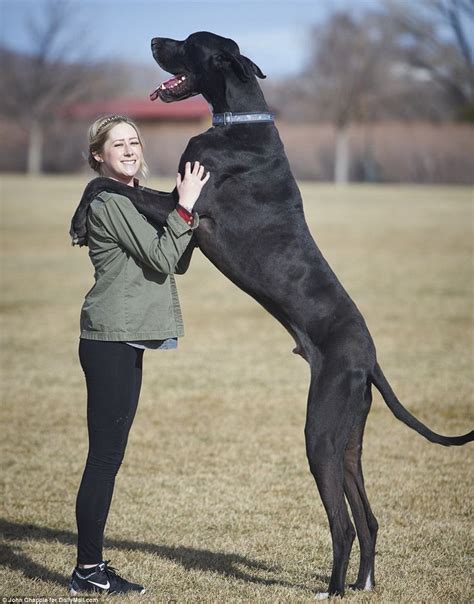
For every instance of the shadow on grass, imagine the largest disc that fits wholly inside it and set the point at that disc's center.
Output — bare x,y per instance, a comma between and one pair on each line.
190,558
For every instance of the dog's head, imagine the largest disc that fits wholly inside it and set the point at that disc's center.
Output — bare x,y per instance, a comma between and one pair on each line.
201,64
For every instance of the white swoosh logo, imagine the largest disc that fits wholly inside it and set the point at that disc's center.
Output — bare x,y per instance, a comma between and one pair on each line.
102,586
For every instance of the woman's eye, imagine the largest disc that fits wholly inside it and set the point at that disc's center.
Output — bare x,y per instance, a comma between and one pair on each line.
135,142
118,145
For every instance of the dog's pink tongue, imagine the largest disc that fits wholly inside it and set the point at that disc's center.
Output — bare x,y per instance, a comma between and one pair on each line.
155,94
170,81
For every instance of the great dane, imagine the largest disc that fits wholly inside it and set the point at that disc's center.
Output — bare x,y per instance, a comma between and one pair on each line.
253,230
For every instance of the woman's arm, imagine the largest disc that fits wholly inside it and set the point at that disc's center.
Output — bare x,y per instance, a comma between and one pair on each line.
117,219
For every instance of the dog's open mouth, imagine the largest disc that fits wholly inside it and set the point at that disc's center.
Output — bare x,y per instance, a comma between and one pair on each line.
175,89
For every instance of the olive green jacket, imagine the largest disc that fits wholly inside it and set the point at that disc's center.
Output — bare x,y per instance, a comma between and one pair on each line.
135,295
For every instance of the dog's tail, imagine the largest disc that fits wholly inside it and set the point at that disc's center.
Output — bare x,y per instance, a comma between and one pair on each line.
395,406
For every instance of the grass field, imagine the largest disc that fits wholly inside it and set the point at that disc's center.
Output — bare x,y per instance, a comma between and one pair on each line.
215,502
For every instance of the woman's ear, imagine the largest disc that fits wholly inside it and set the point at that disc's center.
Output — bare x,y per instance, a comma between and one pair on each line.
97,157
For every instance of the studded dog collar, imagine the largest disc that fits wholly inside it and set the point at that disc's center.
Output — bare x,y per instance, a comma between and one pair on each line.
228,118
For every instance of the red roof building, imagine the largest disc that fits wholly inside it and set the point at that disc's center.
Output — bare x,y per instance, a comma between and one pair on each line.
192,109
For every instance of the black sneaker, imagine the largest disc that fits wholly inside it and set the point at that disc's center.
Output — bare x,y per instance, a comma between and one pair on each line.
101,578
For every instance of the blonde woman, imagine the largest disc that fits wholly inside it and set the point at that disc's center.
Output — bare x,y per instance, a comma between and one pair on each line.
132,306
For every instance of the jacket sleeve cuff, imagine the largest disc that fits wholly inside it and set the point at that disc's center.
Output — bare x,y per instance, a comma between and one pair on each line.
185,214
179,226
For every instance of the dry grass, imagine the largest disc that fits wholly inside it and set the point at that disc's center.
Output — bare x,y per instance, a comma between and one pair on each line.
215,502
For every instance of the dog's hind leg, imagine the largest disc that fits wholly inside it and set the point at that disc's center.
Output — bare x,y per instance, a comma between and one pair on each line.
329,423
365,521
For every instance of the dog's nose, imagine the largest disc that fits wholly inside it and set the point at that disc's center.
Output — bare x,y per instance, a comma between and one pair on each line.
155,42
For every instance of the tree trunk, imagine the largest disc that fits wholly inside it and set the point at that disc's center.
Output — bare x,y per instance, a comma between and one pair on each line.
369,164
341,160
35,148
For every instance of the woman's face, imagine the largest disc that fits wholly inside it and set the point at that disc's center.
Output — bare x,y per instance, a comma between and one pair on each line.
122,155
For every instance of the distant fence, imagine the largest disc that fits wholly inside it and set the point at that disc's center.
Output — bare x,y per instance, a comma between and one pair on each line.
415,152
386,152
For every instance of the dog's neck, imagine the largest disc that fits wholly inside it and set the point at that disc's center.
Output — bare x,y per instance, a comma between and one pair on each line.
243,98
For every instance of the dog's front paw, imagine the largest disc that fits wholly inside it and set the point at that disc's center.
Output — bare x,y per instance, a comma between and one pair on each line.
77,239
78,229
78,235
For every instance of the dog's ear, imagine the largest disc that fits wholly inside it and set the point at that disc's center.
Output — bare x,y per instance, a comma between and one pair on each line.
243,67
255,68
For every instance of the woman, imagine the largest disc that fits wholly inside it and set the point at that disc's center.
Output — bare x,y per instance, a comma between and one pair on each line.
133,305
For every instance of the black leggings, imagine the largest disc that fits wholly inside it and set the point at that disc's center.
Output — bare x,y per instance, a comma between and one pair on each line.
113,373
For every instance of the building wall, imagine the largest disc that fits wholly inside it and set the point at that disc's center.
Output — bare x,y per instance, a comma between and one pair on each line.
165,143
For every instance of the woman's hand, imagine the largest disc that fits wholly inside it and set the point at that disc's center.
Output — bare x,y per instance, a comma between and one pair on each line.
191,185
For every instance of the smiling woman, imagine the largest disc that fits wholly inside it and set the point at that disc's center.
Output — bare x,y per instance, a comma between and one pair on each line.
132,306
116,148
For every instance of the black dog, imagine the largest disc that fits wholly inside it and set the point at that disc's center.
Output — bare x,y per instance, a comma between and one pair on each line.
253,229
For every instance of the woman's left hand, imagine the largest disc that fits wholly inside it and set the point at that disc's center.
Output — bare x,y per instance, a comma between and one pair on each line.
189,188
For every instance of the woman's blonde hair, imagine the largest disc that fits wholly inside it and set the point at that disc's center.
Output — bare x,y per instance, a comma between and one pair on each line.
98,133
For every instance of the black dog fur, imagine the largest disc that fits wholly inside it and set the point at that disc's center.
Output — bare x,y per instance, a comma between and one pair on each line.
253,229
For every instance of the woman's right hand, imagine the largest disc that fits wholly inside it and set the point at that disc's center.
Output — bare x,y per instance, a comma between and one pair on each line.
189,188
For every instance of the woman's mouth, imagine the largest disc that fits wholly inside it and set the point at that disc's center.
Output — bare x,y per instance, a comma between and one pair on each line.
130,166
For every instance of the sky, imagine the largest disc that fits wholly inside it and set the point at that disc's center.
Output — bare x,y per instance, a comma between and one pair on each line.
274,34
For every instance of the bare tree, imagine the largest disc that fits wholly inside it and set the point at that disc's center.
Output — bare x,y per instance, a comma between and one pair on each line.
347,69
434,39
369,67
34,86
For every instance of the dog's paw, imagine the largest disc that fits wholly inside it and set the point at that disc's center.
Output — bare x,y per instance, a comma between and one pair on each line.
78,230
322,595
78,226
77,239
358,587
